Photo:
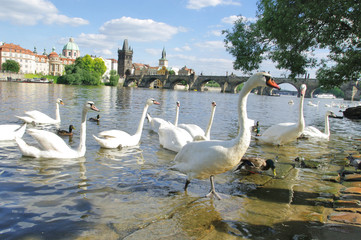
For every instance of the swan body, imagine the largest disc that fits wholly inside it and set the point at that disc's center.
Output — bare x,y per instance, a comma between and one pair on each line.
173,138
203,159
284,133
9,132
41,118
53,146
290,102
118,138
312,132
66,133
313,104
155,123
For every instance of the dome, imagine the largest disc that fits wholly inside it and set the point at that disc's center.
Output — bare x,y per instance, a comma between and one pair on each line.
71,45
53,54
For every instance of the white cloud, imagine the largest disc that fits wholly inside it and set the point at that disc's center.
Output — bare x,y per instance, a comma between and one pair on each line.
31,12
153,51
210,45
182,49
198,4
216,33
233,18
138,30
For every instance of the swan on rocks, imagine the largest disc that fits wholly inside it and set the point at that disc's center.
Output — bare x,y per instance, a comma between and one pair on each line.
203,159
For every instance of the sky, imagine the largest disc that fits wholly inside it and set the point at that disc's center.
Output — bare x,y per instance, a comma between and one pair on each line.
190,31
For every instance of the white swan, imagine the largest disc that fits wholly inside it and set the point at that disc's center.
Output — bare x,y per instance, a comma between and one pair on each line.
172,137
283,133
207,134
312,132
203,159
194,130
41,118
118,138
53,146
8,132
156,122
313,104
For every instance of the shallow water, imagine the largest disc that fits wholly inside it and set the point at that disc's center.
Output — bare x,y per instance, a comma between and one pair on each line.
134,194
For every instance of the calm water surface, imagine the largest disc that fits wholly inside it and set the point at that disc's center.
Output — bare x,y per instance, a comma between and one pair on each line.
134,194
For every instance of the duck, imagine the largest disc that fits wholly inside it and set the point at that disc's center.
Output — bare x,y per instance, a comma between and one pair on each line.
156,122
41,118
8,132
95,119
118,138
284,133
205,159
65,132
255,164
196,131
312,132
53,146
355,162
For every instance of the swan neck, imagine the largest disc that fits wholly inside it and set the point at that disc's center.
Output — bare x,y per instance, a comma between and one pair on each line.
141,122
176,116
57,112
208,130
301,119
327,125
82,146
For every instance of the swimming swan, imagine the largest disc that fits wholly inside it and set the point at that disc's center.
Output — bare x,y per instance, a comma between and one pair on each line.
118,138
156,122
284,133
41,118
312,132
53,146
8,132
203,159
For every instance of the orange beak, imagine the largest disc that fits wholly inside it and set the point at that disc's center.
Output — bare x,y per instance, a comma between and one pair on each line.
271,83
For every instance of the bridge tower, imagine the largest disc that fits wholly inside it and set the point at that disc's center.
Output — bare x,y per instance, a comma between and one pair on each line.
125,60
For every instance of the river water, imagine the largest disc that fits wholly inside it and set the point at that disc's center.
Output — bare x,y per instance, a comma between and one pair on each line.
134,194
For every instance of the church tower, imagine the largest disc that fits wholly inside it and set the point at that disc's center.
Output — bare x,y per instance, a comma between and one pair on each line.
163,61
125,56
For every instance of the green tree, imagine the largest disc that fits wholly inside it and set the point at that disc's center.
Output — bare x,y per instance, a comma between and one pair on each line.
85,71
288,32
114,78
11,66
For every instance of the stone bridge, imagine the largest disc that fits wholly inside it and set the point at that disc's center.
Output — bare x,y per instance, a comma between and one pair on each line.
229,83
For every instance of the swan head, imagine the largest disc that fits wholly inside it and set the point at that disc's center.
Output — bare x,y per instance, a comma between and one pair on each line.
152,101
178,104
59,100
330,113
214,104
89,105
303,89
262,79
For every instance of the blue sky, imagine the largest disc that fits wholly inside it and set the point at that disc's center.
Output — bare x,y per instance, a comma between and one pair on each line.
189,30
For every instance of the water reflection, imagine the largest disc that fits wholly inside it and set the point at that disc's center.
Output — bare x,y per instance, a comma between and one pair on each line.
133,193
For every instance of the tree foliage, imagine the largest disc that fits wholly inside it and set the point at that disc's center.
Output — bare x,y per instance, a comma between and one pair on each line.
114,78
288,32
84,71
11,66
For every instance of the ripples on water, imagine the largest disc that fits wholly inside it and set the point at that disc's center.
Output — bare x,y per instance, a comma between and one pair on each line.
133,193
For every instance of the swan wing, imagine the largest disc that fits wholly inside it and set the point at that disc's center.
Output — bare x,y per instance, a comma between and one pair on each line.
280,133
192,129
313,132
173,138
39,117
49,141
10,131
114,134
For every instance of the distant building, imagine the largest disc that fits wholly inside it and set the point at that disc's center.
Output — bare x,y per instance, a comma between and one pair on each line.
71,49
125,58
163,62
184,71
